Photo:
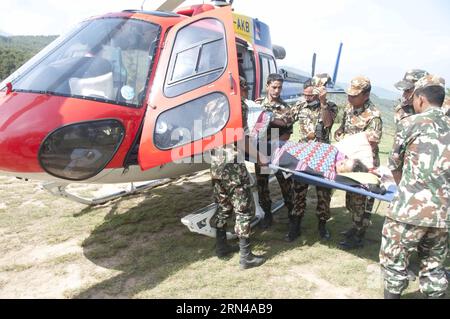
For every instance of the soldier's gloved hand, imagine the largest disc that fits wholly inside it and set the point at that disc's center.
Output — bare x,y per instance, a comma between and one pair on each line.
319,131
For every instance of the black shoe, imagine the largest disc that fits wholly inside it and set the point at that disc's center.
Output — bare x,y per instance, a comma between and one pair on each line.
222,247
267,221
294,229
389,295
247,259
290,237
349,233
323,231
353,242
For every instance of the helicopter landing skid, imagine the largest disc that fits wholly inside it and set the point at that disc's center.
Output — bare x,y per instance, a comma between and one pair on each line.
59,189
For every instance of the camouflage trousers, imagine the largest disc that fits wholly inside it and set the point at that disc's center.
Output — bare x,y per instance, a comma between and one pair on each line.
398,241
262,181
360,207
323,201
232,193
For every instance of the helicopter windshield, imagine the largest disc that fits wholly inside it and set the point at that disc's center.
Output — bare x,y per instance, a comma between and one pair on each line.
106,59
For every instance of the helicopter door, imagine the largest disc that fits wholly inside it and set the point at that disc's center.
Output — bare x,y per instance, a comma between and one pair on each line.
195,96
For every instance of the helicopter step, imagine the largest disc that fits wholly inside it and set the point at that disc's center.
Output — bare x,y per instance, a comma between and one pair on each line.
59,189
199,221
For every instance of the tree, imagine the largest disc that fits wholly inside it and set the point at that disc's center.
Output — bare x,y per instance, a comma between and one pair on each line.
16,50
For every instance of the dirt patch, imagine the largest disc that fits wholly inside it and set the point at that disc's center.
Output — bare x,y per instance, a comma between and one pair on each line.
323,288
40,253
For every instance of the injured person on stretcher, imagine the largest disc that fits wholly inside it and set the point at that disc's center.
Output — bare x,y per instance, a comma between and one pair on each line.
346,165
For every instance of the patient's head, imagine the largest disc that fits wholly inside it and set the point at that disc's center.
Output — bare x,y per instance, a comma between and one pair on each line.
350,165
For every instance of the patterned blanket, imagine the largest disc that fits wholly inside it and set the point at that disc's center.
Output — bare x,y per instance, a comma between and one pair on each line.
321,158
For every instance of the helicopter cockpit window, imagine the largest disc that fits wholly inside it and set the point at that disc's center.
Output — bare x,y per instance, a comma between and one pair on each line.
106,59
198,57
191,121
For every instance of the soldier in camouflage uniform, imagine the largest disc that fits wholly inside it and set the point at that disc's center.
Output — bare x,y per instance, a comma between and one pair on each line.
405,107
281,120
316,116
231,184
360,115
418,218
446,106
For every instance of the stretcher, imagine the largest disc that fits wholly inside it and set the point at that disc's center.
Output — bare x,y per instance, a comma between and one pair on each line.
199,221
345,184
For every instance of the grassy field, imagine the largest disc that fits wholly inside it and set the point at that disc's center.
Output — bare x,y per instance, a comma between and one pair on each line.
136,247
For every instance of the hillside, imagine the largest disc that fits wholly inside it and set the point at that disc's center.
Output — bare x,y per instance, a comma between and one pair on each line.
16,50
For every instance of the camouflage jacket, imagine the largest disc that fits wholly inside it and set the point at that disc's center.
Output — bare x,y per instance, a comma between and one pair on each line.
366,119
446,106
402,111
421,151
280,110
229,154
310,121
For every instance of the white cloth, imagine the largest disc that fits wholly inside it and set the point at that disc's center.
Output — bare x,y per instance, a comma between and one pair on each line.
357,146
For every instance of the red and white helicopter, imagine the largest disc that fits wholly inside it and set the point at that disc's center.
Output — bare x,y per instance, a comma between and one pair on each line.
116,99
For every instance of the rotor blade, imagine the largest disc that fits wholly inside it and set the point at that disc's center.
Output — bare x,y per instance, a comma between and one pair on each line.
169,5
313,66
336,67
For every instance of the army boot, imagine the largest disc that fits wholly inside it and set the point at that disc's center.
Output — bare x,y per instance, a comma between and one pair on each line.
247,259
323,231
389,295
353,242
266,222
349,233
294,228
222,247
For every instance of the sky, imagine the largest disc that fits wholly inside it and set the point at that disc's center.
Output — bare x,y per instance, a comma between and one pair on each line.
382,38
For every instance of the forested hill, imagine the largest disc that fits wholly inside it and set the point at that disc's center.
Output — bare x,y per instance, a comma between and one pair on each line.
16,50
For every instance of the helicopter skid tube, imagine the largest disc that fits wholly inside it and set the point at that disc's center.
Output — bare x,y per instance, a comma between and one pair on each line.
59,189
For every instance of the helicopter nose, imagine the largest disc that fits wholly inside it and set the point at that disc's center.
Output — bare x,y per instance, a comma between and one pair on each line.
22,129
18,149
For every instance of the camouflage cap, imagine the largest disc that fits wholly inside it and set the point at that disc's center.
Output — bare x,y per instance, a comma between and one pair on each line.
429,80
358,85
411,77
321,79
243,82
